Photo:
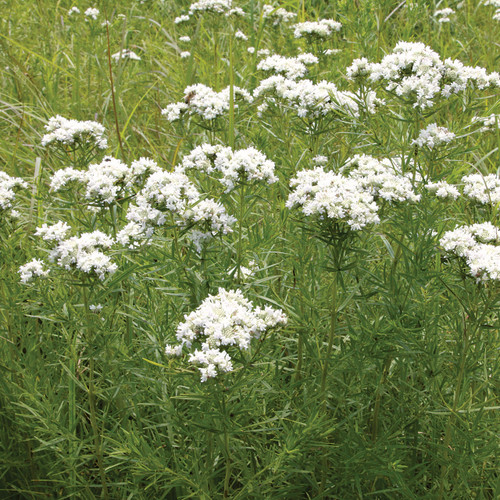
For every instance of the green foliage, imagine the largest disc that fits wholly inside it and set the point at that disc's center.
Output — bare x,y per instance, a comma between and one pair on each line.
383,384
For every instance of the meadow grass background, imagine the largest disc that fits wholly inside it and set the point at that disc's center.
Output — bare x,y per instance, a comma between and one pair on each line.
409,406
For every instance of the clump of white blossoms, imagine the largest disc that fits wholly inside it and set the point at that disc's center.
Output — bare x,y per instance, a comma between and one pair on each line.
482,188
443,190
220,322
240,35
324,28
73,10
443,15
415,72
381,178
312,100
277,14
230,167
291,67
205,102
489,123
125,54
92,13
107,181
7,193
433,136
478,244
328,195
82,253
172,196
215,7
185,39
66,132
31,270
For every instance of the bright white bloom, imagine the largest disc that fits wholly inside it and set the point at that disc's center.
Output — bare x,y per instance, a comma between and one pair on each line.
291,67
222,320
95,307
359,68
332,52
478,245
415,72
240,35
235,11
381,178
230,166
185,39
277,15
320,29
251,50
443,190
171,196
92,12
496,15
488,123
32,270
7,185
333,196
55,232
181,19
495,3
433,136
311,100
185,54
73,10
126,54
106,181
320,160
443,15
205,102
263,52
482,188
68,132
83,253
216,6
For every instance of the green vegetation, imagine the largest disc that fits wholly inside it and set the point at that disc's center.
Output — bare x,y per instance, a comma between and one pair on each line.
382,384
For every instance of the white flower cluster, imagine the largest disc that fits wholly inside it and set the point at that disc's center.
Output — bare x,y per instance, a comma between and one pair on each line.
333,196
82,253
185,39
31,270
92,12
350,195
126,54
416,72
381,178
204,101
312,100
443,15
478,245
277,15
240,35
230,166
63,131
225,319
214,6
482,188
291,67
172,193
489,123
73,10
496,4
7,185
106,181
443,190
433,136
323,28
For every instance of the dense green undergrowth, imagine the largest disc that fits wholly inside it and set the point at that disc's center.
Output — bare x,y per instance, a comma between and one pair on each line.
382,384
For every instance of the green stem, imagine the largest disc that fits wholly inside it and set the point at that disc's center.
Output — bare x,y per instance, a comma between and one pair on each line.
239,255
451,418
92,403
